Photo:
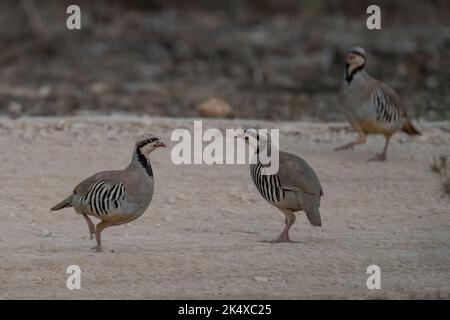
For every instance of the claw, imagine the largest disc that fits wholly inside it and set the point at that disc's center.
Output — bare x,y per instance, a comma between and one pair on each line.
280,240
97,249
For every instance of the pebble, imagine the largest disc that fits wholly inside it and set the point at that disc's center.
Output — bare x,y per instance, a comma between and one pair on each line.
215,108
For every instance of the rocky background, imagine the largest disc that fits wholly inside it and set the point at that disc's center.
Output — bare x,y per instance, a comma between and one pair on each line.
265,59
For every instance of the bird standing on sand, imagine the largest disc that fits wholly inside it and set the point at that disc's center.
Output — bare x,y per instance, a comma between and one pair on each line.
294,187
371,106
116,197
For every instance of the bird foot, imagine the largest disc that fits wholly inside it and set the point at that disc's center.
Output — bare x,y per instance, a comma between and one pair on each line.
378,157
97,249
280,240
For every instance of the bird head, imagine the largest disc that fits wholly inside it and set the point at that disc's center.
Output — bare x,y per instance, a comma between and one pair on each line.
356,57
255,140
148,142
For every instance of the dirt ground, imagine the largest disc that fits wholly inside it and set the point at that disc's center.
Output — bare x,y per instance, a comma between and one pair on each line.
200,237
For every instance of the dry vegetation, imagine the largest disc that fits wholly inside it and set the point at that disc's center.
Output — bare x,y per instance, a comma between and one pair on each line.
440,166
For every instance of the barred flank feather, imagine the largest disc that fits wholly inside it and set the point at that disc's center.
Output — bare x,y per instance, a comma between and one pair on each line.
387,110
103,198
269,186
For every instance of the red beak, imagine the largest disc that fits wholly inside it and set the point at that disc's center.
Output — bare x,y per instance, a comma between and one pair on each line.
160,144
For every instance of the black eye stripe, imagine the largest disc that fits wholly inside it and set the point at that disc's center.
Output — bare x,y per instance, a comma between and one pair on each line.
145,142
358,54
256,133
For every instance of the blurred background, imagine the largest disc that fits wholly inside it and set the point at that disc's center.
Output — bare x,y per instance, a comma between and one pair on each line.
261,59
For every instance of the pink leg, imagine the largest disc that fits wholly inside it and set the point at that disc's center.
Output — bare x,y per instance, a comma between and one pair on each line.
284,235
382,156
90,225
362,139
100,226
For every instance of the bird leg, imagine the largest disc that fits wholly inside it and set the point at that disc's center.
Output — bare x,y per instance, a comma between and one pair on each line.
90,225
382,156
361,140
284,235
100,226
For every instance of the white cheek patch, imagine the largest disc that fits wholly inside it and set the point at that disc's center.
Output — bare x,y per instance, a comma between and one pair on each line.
358,61
147,148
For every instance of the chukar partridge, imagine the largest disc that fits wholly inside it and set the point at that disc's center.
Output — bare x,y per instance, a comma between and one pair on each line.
116,197
371,106
293,188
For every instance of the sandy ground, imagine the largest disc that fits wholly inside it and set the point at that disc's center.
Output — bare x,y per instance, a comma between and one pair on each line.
200,237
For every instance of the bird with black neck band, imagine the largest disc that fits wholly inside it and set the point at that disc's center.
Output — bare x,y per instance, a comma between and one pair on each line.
119,196
294,187
371,106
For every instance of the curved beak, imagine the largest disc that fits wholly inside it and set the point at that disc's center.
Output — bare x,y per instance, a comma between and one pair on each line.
160,144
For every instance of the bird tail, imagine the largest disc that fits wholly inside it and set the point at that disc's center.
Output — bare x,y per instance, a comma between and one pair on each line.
409,128
310,204
314,217
66,203
311,207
